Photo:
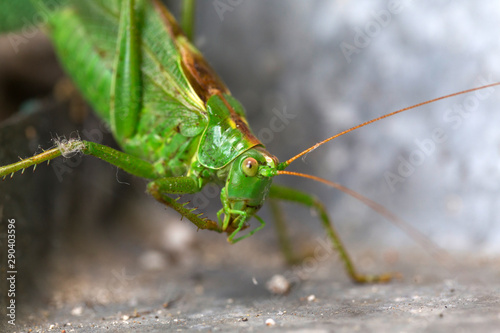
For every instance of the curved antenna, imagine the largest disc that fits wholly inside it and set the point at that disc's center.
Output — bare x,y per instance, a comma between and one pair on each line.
285,164
414,233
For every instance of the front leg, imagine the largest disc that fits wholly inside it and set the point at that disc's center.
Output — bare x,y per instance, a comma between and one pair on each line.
289,194
131,164
182,185
233,227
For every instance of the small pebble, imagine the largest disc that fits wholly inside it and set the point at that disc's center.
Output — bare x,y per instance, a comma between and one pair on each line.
311,298
77,311
270,322
278,285
178,237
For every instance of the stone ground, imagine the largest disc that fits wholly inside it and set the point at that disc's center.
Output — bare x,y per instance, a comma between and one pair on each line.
208,285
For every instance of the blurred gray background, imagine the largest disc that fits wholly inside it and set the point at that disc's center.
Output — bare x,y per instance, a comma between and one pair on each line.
289,55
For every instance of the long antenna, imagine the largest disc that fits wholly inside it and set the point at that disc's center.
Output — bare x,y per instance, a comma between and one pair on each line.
420,238
287,163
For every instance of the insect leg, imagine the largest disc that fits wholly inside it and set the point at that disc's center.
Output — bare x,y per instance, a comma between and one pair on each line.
187,21
125,101
181,185
241,226
126,162
289,194
238,224
132,165
281,230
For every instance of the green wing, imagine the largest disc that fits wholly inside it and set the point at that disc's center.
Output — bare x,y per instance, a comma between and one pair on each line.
18,14
85,34
176,80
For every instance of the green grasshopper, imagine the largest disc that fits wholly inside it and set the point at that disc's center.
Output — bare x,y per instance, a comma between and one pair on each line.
174,119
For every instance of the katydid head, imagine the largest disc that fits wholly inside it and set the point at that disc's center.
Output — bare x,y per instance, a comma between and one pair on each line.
247,187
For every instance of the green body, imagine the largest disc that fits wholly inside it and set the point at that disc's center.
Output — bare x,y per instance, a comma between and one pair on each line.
174,119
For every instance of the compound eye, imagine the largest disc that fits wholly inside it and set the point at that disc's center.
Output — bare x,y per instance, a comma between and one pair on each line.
250,166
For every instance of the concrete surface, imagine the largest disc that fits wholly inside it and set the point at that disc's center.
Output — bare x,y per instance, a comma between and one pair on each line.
212,287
